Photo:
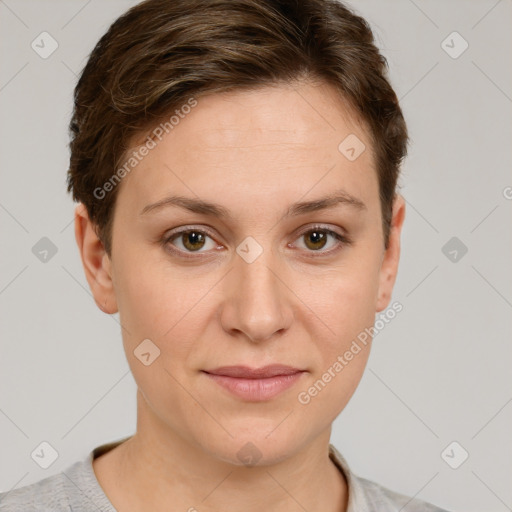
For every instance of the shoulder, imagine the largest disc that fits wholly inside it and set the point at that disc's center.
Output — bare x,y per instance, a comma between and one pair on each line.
366,496
49,494
75,489
384,499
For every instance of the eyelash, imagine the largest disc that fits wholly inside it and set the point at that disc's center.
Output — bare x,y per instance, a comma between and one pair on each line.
343,240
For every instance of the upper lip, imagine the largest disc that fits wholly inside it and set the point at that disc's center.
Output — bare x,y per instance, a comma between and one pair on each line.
245,372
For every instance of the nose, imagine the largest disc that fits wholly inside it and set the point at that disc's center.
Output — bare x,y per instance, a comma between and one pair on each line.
257,301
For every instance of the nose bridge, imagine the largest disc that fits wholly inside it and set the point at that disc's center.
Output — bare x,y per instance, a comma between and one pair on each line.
257,303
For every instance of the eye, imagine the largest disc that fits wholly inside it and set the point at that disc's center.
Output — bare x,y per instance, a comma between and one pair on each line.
317,238
186,242
190,240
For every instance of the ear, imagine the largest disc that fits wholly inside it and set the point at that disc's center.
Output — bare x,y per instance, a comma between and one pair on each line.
96,262
391,256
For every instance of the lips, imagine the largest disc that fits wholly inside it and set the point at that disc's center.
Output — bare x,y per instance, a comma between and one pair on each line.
255,384
245,372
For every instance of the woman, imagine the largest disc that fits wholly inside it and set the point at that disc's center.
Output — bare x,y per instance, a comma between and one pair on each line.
236,165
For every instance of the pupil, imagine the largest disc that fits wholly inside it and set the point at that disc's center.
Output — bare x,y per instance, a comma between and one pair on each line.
193,240
318,238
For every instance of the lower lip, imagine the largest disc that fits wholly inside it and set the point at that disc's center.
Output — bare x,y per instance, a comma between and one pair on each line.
256,390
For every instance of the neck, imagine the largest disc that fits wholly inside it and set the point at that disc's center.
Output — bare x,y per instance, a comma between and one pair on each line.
157,468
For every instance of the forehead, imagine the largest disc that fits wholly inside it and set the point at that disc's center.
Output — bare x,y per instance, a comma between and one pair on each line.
249,145
296,117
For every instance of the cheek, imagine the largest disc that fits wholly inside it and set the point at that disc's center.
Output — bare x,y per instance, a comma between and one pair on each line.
162,304
348,307
346,301
154,306
329,391
149,296
138,297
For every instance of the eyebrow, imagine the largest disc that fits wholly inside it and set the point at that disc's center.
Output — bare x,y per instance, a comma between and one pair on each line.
202,207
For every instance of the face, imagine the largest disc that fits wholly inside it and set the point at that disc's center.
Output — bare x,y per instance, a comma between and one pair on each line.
264,278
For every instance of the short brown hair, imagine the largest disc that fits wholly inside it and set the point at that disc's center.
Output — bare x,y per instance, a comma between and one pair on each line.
160,53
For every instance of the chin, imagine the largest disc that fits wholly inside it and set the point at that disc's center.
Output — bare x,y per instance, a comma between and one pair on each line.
255,446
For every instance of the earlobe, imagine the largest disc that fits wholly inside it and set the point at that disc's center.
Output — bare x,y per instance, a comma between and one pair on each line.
96,262
391,257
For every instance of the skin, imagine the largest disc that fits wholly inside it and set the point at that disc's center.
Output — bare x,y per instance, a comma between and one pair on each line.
256,153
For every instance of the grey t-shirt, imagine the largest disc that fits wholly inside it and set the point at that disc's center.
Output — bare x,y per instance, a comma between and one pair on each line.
76,489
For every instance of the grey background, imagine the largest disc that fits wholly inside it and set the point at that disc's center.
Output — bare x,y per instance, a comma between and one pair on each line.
440,372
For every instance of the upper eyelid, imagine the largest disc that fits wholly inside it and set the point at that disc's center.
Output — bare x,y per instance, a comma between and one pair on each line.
300,232
186,229
210,231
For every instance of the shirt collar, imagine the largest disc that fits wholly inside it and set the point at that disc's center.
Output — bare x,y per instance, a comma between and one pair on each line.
357,501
